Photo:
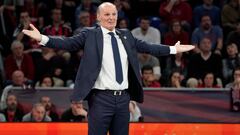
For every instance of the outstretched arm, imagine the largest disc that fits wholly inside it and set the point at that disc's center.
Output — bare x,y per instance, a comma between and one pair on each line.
67,43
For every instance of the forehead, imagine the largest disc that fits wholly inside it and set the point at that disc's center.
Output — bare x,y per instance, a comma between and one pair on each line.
107,8
45,98
12,97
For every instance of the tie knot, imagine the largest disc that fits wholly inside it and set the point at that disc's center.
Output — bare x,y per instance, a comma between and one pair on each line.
111,33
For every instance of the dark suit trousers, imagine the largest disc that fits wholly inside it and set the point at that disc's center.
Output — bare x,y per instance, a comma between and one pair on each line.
108,112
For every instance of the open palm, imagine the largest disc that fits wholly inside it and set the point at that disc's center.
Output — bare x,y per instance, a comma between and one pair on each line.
34,33
183,48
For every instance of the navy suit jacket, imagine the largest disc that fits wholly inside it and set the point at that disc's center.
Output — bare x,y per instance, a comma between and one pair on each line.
91,40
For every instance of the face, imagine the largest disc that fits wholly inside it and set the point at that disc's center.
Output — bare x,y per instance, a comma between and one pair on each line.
38,113
11,102
205,45
144,24
47,82
46,102
17,50
208,2
56,15
107,16
76,105
18,78
232,50
206,22
236,75
176,77
176,27
85,19
147,74
209,80
24,17
123,24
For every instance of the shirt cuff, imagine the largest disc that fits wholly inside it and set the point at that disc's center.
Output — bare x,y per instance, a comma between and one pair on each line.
173,50
44,40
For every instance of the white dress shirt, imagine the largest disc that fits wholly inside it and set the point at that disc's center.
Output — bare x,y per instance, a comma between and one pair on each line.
107,77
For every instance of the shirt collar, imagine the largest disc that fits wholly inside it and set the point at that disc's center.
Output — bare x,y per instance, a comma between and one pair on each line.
106,31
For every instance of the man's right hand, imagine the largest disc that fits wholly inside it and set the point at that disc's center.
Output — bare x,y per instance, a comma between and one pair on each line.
34,33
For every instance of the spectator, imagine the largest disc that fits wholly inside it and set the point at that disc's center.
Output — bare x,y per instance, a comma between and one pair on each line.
192,83
175,9
148,78
205,61
135,112
38,114
230,62
68,8
175,34
86,5
123,23
175,80
84,21
2,118
24,22
209,81
57,28
235,96
48,63
206,8
176,62
147,59
19,80
146,32
75,114
13,112
206,29
235,77
49,107
122,7
234,36
230,16
10,10
46,81
18,60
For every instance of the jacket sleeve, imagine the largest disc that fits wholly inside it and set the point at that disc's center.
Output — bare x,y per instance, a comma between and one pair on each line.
73,43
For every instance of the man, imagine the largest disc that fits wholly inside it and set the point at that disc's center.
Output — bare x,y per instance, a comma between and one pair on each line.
75,114
148,78
146,32
213,32
12,113
38,114
108,92
18,60
49,107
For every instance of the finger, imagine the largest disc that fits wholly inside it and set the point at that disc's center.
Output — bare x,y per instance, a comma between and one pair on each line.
33,27
26,32
178,43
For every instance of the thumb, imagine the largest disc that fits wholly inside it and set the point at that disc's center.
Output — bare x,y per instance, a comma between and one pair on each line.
178,43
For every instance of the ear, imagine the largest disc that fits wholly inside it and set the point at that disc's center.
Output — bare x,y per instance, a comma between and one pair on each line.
98,17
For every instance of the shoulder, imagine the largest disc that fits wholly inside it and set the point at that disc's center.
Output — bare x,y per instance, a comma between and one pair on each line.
27,117
47,118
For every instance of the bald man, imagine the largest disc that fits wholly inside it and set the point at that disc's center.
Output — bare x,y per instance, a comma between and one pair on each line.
108,76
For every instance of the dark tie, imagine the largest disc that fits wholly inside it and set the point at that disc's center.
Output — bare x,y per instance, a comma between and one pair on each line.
117,60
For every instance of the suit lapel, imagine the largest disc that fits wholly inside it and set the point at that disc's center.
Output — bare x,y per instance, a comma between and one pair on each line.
124,41
99,37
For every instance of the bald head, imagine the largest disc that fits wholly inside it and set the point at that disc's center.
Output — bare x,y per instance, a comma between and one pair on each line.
107,15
